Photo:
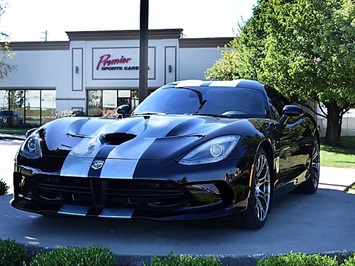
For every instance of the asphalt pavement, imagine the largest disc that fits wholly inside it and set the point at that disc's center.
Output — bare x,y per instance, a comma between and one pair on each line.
320,223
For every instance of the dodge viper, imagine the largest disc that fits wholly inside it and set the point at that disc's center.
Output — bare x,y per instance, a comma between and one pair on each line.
191,150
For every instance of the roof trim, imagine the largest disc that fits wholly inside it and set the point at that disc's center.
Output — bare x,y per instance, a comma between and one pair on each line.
35,46
122,34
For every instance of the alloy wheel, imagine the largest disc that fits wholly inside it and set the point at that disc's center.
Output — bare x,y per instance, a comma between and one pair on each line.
262,187
315,165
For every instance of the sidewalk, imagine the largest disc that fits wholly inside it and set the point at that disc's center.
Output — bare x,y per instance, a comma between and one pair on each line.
336,178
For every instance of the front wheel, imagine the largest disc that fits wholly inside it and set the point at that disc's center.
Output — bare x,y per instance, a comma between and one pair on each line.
254,217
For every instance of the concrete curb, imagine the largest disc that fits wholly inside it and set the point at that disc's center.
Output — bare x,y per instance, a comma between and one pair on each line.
12,136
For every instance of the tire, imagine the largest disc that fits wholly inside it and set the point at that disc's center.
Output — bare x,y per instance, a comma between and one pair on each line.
259,202
310,186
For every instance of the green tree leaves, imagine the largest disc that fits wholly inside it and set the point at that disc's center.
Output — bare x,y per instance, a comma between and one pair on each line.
304,48
5,52
226,67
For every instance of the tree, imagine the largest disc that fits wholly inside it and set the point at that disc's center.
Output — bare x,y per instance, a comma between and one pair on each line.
5,52
305,49
227,67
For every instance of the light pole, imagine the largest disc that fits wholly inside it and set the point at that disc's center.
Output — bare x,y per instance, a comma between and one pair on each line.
143,51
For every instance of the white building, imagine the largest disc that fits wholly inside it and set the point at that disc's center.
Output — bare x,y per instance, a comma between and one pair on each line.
97,71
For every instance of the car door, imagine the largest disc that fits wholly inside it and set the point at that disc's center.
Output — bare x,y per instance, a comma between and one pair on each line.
294,151
293,142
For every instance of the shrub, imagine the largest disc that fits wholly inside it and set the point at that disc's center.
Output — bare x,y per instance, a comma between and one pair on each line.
12,254
4,188
182,260
349,262
299,259
92,256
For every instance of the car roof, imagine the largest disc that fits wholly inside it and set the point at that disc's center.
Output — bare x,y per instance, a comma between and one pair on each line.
6,111
239,83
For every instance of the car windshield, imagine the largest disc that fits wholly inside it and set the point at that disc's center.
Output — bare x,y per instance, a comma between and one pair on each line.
213,101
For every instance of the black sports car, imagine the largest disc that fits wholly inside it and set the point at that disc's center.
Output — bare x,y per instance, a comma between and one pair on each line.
191,150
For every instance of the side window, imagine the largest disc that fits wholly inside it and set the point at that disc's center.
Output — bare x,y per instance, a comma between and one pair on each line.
277,100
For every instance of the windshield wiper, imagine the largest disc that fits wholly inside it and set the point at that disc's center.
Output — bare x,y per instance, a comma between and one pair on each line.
149,113
214,115
199,95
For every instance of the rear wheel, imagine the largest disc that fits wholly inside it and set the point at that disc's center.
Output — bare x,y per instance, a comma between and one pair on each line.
310,186
259,201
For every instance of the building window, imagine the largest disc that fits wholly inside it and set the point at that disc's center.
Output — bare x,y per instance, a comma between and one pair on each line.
94,102
105,102
35,107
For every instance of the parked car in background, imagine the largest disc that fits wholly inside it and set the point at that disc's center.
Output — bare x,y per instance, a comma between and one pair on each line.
78,113
191,150
10,118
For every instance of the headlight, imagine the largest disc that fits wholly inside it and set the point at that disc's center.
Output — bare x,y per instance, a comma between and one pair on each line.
31,148
211,151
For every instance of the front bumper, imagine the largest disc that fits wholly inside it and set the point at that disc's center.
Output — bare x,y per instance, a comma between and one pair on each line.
159,199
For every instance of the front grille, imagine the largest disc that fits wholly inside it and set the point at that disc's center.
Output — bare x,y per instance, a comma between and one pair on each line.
110,193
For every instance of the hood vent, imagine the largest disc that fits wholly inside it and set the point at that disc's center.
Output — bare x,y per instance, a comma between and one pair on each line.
116,138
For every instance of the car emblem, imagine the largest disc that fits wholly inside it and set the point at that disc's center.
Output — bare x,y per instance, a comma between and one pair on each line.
97,164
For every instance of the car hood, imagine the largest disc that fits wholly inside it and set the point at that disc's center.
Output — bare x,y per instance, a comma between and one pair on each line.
131,146
151,137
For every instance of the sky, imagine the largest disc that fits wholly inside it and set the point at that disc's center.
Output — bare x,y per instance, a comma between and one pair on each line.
28,20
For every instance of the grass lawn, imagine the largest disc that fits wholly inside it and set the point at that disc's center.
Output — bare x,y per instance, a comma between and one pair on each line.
13,130
343,157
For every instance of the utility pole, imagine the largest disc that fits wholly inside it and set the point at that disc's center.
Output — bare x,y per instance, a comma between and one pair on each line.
143,51
45,35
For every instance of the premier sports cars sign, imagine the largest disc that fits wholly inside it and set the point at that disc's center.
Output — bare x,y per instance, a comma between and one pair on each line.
120,63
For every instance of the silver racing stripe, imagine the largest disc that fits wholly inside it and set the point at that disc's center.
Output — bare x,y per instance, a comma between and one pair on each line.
74,210
80,158
122,161
105,213
116,213
76,166
118,168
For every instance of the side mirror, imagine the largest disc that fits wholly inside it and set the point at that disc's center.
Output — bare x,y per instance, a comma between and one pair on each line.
124,110
290,110
30,131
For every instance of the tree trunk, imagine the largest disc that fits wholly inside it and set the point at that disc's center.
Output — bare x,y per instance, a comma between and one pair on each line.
334,120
